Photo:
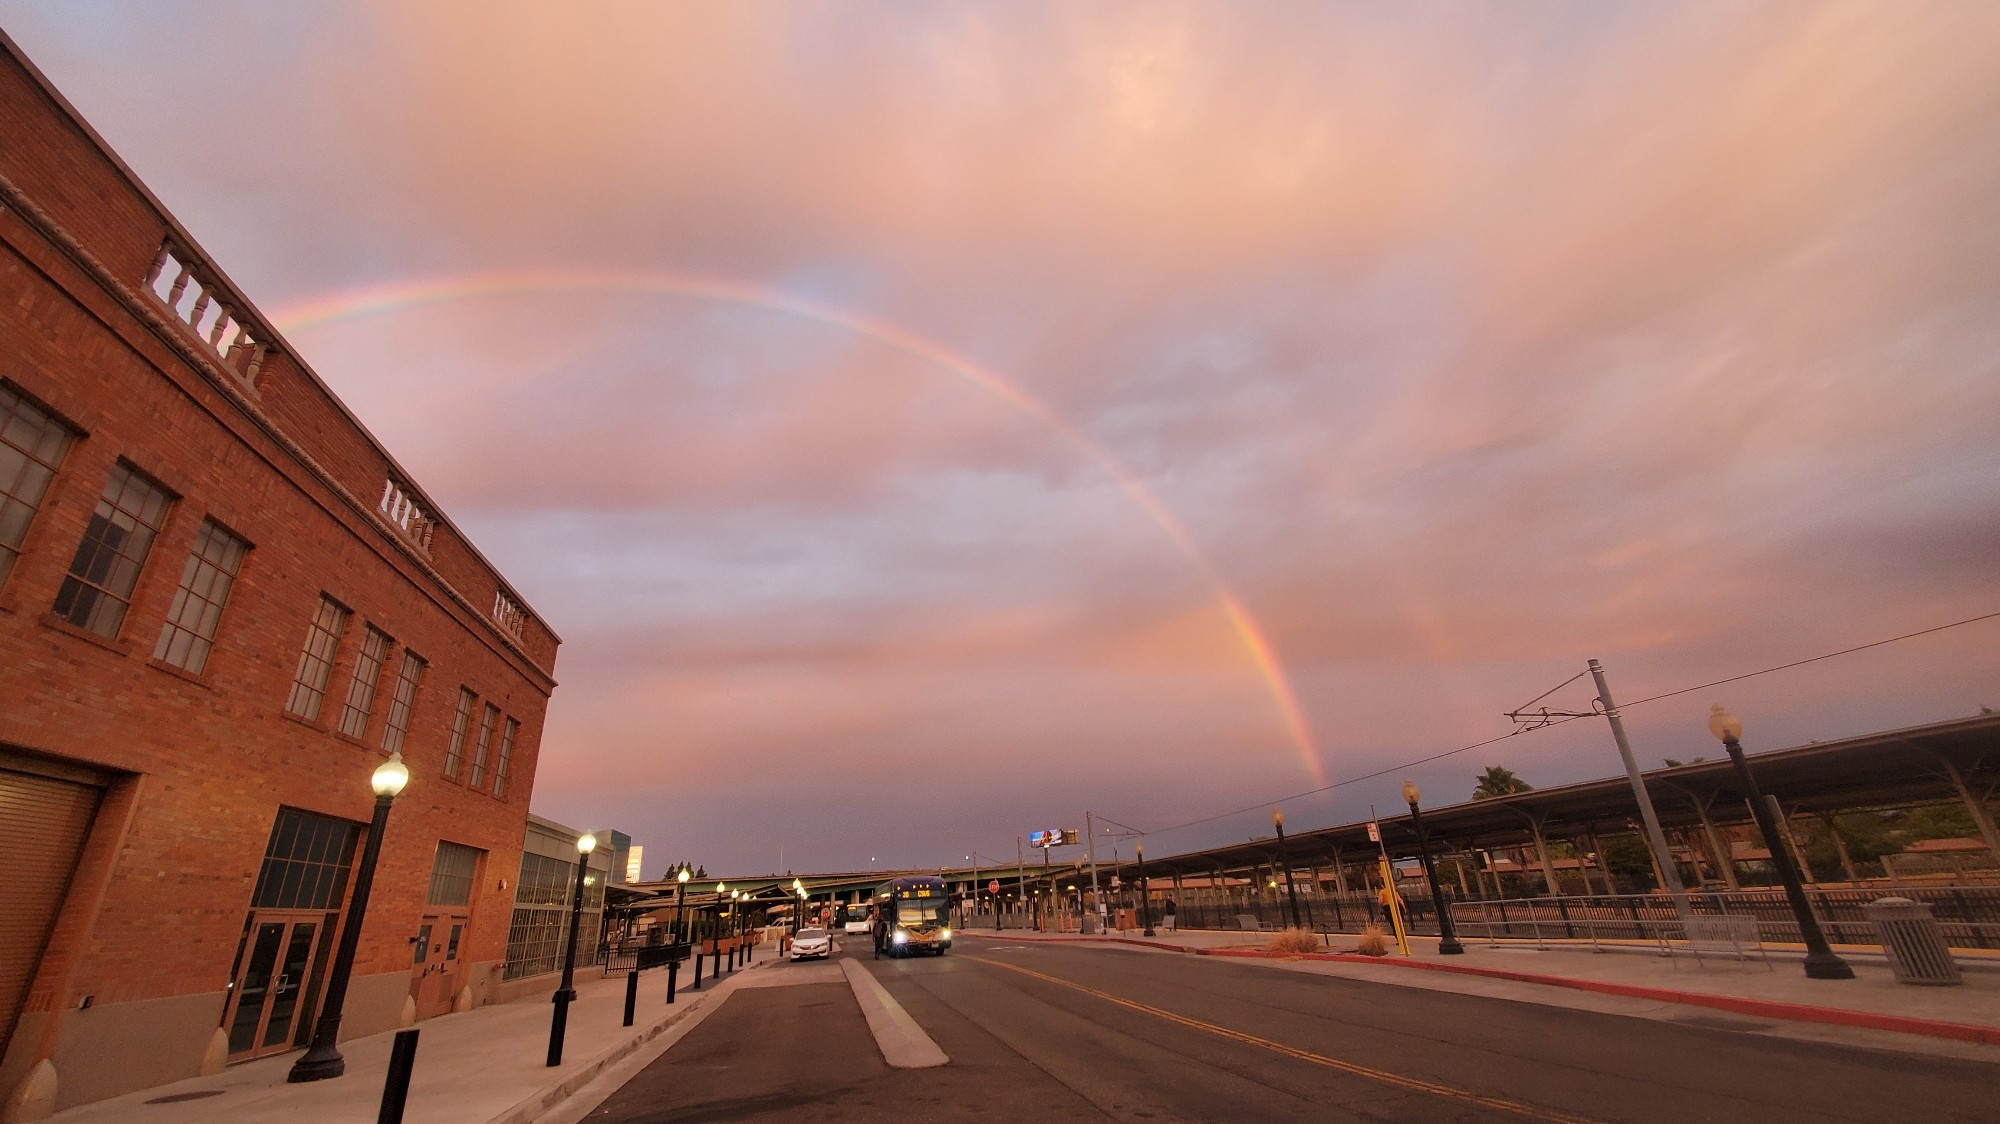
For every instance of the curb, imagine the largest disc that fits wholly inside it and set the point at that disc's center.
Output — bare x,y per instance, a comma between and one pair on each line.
1765,1008
535,1104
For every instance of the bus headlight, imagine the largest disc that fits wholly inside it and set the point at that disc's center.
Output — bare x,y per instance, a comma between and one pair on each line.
901,936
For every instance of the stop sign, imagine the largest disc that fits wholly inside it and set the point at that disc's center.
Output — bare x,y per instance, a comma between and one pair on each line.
993,887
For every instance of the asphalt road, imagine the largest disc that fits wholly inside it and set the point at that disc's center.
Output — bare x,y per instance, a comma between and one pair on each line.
1052,1032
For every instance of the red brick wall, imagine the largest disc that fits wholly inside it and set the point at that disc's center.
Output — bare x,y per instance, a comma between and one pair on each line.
217,754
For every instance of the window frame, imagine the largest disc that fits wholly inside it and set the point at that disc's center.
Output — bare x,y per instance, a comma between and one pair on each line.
509,731
402,703
103,563
196,611
52,440
488,719
309,658
359,707
454,754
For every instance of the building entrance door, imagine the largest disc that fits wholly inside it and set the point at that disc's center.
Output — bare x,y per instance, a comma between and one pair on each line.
278,966
435,973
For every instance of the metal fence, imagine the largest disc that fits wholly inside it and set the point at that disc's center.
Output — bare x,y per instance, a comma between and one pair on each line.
1323,913
1969,916
624,958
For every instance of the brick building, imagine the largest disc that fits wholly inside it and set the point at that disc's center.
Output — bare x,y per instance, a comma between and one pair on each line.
222,604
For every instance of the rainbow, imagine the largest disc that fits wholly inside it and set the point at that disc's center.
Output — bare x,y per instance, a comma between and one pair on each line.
379,299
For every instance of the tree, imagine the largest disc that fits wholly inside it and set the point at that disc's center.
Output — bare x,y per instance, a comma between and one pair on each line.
1498,780
1628,860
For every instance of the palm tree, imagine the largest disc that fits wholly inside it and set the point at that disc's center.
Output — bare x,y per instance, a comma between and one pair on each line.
1498,780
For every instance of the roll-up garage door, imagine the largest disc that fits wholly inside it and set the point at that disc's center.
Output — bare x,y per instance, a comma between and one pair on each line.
43,822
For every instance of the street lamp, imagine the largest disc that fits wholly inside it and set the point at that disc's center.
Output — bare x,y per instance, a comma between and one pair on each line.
323,1059
1145,896
1821,963
566,994
1291,891
680,902
1447,940
798,911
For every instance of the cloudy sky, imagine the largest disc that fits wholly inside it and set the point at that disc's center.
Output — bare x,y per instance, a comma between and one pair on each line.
926,422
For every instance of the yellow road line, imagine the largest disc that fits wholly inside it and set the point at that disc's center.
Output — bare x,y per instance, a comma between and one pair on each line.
1532,1112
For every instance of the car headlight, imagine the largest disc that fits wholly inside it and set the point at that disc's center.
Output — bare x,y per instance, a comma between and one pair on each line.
946,934
901,936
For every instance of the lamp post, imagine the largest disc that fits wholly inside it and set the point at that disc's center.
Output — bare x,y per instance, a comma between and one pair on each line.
1447,940
1145,896
720,889
799,910
1821,963
1291,891
566,993
680,903
323,1059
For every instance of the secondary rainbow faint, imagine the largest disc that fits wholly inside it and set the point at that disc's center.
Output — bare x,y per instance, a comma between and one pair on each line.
379,299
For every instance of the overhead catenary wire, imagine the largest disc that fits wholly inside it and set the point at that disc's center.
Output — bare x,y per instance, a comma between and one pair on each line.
1560,719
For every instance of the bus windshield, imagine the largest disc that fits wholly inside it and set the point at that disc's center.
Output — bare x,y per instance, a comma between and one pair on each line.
920,911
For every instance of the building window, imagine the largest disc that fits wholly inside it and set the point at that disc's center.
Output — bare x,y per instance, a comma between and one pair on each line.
455,753
487,719
361,689
408,678
536,932
98,589
500,767
190,628
306,862
451,874
32,444
316,660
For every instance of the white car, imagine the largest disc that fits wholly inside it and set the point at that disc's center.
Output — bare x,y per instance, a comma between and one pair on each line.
809,944
856,925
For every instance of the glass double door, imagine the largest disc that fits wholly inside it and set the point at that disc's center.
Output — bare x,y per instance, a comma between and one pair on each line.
278,967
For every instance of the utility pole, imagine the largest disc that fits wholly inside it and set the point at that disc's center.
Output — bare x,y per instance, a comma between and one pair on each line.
1655,838
1096,903
1020,871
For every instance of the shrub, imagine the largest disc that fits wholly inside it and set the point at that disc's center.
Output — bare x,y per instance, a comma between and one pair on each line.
1292,940
1373,942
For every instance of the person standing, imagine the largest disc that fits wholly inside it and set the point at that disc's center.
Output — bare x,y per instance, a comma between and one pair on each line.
1171,922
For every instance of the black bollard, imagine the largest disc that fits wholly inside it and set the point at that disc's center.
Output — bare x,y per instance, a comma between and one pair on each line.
673,977
396,1088
631,994
558,1027
696,985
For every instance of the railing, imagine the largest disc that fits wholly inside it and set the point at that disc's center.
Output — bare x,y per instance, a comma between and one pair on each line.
1325,913
1969,916
209,312
641,956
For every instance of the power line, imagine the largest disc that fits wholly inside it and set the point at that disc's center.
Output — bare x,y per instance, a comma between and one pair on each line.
1816,659
1560,719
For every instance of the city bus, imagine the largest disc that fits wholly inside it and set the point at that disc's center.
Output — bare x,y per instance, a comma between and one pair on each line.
912,915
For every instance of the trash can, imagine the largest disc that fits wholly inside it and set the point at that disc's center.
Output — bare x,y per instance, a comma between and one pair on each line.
1913,940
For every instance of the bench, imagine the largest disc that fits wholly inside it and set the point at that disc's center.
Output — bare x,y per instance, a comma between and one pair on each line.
1249,923
1724,933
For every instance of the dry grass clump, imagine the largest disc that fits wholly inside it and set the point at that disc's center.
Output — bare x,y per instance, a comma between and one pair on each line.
1373,942
1292,940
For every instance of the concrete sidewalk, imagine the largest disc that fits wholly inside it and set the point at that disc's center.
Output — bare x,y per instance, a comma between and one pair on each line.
484,1066
1557,972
